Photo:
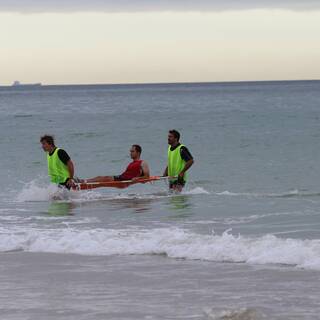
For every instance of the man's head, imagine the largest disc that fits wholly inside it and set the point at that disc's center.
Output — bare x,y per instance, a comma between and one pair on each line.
173,137
135,152
47,143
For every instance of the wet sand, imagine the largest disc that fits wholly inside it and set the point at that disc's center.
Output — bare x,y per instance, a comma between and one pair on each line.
58,286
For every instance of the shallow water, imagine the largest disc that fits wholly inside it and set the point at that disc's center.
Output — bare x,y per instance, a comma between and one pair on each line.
252,200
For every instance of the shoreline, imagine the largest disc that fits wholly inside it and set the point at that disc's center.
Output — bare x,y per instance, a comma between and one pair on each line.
65,286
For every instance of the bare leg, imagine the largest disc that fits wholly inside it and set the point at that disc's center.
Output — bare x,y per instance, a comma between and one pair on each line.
100,179
177,188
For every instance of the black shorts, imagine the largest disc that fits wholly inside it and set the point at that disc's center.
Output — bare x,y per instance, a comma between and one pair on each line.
118,178
176,183
64,185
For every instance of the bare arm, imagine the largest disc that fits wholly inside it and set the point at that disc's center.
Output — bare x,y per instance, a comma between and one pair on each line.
71,173
186,167
165,173
70,168
145,170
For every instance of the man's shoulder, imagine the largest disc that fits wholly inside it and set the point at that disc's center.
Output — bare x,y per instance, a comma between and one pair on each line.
171,148
184,148
61,151
185,153
63,155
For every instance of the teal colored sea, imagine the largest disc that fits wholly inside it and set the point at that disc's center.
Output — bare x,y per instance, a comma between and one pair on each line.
242,241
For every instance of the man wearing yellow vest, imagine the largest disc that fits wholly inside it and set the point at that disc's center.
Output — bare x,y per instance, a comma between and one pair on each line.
179,161
60,166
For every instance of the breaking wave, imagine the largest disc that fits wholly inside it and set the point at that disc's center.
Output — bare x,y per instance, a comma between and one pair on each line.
172,242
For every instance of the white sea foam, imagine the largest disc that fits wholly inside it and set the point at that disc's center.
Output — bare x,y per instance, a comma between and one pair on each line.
37,192
196,190
27,219
239,314
228,193
34,192
289,194
173,242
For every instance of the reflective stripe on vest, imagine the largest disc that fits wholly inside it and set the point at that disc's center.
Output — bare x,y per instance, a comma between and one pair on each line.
57,170
175,163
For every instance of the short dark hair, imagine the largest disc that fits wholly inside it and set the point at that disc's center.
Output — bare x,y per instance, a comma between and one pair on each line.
175,133
137,148
47,138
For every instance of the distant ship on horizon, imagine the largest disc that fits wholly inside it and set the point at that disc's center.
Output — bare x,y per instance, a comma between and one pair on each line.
19,84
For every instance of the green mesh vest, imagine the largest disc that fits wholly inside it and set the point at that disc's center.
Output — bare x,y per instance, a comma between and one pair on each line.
57,170
175,163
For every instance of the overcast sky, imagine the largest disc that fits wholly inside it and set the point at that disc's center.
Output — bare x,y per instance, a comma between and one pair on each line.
134,41
152,5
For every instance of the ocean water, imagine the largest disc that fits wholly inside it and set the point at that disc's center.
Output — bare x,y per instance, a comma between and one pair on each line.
242,241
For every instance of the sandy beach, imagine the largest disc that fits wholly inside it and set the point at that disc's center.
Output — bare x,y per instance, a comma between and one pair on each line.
58,286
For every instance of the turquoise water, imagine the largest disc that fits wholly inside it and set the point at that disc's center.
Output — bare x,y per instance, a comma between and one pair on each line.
252,199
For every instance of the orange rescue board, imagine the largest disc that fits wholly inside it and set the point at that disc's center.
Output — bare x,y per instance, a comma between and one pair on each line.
113,184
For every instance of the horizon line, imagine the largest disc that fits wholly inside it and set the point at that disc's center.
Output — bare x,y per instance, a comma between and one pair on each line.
25,85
